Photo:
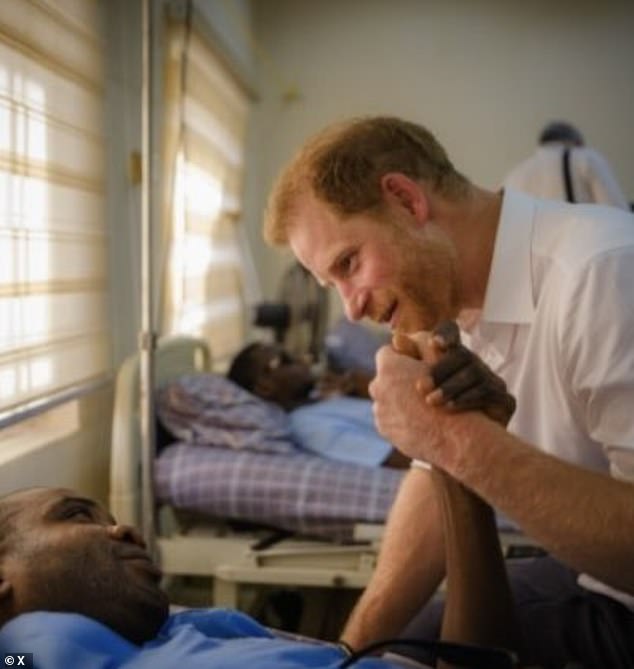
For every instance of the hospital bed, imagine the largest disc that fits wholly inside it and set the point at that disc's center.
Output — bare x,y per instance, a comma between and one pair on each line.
219,512
208,526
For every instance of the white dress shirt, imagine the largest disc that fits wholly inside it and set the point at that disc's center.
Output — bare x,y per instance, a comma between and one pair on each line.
558,327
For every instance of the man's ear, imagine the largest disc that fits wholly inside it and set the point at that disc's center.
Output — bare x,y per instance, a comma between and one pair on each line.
407,193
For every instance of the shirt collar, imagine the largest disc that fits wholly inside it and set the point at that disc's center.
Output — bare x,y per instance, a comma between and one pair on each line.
509,294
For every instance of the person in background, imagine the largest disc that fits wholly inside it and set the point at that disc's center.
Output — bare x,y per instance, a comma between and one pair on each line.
270,372
563,168
330,414
543,292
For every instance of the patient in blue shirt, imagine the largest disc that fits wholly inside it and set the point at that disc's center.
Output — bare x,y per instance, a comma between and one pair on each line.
330,415
79,591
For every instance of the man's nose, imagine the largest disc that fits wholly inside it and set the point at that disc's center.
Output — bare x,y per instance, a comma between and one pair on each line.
353,302
126,533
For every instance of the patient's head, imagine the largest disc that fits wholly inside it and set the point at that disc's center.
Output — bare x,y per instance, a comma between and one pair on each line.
62,552
268,371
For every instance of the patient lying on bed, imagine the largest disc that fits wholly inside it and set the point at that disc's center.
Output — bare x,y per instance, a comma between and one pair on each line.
79,590
330,415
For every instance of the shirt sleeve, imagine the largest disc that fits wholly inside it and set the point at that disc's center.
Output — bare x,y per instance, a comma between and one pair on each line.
596,335
621,463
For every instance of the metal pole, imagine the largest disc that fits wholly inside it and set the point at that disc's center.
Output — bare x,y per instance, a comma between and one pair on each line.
146,336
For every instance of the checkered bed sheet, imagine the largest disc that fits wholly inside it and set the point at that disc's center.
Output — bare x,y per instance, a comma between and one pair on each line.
298,492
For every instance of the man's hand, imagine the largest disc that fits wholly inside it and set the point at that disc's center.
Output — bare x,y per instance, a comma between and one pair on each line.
401,413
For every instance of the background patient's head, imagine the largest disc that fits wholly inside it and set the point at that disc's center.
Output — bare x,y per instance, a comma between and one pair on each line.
62,552
268,371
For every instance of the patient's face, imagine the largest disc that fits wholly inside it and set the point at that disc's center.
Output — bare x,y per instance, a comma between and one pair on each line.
281,378
68,555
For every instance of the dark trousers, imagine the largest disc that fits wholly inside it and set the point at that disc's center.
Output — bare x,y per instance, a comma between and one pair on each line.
562,624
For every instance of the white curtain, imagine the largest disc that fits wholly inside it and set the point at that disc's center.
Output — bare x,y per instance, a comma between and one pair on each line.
54,330
206,113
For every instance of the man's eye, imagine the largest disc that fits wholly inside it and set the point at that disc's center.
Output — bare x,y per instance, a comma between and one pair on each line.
77,512
346,264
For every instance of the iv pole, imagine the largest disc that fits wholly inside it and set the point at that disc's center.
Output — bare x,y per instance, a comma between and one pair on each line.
147,338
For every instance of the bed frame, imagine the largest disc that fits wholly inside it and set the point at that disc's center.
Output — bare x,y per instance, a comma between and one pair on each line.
191,546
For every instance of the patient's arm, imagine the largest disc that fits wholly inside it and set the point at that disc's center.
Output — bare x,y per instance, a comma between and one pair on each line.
478,604
396,460
412,553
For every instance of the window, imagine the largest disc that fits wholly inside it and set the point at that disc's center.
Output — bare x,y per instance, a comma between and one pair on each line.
205,123
54,330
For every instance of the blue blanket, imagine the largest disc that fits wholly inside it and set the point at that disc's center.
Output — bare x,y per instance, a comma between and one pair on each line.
340,428
196,639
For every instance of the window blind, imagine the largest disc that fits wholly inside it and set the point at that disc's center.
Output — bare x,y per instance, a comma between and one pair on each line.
54,330
206,114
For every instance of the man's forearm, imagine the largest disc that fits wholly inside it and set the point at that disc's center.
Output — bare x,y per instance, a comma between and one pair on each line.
583,518
409,569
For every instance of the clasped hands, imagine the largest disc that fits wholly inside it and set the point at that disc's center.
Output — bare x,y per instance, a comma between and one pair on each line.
424,378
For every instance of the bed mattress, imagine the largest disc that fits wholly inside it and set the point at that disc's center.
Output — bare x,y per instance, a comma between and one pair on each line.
298,492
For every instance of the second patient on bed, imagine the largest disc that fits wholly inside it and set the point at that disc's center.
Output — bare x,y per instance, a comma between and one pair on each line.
330,414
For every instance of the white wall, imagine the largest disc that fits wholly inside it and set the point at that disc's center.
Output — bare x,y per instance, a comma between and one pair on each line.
483,75
68,447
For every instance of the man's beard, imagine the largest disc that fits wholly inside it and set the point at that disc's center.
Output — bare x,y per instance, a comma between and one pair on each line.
429,285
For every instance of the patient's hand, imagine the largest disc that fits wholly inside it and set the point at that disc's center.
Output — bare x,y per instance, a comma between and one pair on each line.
352,383
461,381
